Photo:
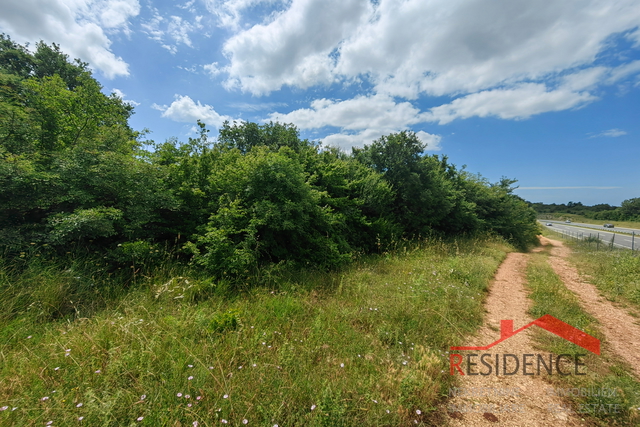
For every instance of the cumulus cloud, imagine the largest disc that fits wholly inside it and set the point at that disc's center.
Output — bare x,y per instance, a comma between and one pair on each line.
295,48
213,69
519,102
466,46
361,112
122,96
185,109
412,47
79,26
509,59
360,120
346,141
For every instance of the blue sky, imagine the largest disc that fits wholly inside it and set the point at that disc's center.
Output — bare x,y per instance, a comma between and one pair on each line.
546,92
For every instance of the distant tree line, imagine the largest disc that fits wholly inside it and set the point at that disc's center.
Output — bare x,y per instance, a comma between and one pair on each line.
629,210
75,176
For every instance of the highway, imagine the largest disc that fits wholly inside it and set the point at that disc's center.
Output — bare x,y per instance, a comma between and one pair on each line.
594,226
606,234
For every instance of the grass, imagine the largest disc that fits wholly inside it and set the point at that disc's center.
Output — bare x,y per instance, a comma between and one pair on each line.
604,372
82,344
615,272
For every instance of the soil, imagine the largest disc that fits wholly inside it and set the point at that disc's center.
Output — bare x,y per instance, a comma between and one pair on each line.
515,400
620,328
520,400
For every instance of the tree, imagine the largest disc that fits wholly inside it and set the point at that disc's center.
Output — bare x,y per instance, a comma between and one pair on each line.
630,209
265,211
423,194
69,162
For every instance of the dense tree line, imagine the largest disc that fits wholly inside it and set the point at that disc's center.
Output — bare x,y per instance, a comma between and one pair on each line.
73,174
629,210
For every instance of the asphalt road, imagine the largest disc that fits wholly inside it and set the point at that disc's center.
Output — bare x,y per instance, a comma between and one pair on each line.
597,227
620,240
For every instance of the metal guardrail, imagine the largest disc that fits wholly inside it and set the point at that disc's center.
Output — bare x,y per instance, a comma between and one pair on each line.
594,238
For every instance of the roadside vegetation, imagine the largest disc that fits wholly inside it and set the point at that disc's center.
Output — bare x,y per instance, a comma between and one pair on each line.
586,220
627,212
615,272
363,345
605,372
74,176
249,277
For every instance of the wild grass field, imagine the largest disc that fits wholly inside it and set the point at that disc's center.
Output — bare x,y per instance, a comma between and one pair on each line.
616,273
619,391
81,345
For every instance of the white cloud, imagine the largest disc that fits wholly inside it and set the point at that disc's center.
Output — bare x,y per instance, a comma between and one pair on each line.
464,46
584,79
152,27
509,59
79,26
295,48
122,96
112,14
345,141
520,102
229,12
184,109
432,141
611,133
179,30
624,71
635,37
361,112
413,47
171,31
213,69
361,119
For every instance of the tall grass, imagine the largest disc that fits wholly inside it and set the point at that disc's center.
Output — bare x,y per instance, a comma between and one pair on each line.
602,372
615,273
361,346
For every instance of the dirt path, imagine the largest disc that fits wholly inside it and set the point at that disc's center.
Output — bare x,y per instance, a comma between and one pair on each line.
621,329
516,400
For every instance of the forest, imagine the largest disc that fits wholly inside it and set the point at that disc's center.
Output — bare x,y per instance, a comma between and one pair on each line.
629,210
77,179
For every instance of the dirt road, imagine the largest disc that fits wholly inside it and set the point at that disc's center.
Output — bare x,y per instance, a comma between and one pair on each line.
520,400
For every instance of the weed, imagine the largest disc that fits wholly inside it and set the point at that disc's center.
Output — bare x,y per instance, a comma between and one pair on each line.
304,348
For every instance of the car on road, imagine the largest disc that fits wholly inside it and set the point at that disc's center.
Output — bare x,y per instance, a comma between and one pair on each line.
608,226
549,224
568,221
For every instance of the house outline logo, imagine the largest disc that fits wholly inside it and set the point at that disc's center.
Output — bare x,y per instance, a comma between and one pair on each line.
549,323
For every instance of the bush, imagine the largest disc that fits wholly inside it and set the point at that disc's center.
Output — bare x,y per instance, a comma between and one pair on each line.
265,212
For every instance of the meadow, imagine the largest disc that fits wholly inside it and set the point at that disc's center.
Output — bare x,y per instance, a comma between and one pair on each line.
365,345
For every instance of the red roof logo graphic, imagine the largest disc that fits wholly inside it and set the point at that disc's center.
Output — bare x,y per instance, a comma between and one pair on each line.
551,324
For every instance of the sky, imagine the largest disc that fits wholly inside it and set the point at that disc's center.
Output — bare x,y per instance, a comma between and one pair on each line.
545,92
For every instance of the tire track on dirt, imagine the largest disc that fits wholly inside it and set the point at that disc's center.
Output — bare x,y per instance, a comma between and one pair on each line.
620,328
527,396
